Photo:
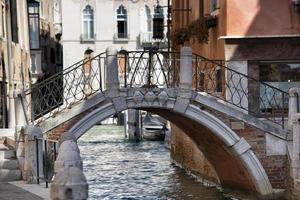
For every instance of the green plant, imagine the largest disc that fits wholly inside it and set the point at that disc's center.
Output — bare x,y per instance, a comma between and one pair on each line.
198,29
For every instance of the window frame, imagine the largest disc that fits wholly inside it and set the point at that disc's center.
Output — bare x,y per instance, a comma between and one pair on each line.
122,17
89,33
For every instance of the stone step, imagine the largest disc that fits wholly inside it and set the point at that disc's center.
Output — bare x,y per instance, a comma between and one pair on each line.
9,175
11,164
7,154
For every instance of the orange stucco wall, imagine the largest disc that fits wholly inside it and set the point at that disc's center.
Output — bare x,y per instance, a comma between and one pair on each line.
214,49
262,17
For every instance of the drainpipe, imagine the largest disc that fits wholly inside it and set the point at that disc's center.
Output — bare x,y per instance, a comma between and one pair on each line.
11,115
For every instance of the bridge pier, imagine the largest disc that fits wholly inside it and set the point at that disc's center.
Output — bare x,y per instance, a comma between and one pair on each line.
30,164
69,181
134,125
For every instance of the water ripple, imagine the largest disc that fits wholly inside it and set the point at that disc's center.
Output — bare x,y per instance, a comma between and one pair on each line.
117,169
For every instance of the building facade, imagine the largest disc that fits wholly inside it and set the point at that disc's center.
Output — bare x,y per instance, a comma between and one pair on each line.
45,40
15,58
257,38
95,25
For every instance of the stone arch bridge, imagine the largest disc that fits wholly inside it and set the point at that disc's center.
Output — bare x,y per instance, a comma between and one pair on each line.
204,98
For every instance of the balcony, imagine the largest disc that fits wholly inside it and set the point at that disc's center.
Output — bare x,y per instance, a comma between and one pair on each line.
146,39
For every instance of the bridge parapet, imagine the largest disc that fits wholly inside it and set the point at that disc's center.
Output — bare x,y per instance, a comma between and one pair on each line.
150,69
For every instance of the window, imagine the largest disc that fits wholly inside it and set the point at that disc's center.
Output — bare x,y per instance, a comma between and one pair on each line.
279,75
88,23
14,21
122,22
34,26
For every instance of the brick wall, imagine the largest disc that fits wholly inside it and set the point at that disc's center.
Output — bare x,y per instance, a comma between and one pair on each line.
276,166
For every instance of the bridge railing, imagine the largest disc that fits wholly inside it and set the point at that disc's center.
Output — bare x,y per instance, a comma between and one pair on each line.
148,68
157,69
65,88
242,91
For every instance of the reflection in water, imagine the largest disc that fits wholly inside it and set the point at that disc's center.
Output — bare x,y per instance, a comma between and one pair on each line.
117,169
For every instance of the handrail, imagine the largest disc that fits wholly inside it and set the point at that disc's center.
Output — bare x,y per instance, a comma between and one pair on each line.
225,67
45,159
66,70
153,68
266,100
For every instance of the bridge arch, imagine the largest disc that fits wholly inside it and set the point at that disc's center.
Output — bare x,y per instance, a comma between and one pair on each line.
234,161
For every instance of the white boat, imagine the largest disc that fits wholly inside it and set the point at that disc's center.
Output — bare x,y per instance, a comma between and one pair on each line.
153,128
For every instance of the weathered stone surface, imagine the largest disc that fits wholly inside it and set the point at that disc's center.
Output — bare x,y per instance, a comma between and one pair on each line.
138,97
294,102
66,136
68,156
69,183
30,164
9,164
112,74
186,73
119,103
181,105
9,175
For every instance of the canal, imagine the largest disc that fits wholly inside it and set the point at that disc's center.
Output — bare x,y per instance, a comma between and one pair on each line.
118,169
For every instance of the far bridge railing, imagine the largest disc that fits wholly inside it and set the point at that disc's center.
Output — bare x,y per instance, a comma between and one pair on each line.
153,68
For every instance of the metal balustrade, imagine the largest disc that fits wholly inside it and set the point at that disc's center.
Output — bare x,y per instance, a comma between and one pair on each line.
66,88
154,68
49,155
242,91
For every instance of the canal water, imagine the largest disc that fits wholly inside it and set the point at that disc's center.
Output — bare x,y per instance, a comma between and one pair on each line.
118,169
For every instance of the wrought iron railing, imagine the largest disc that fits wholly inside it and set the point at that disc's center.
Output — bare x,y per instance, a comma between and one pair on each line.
66,88
158,69
244,92
147,68
48,155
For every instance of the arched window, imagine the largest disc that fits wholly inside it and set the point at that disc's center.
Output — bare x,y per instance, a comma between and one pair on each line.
122,22
88,22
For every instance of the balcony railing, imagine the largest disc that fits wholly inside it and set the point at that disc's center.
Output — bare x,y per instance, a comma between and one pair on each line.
146,38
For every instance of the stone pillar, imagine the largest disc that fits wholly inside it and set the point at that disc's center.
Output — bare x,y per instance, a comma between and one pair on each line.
112,71
186,71
68,156
30,163
296,146
69,181
134,129
294,95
